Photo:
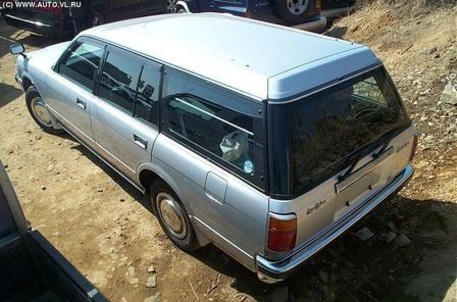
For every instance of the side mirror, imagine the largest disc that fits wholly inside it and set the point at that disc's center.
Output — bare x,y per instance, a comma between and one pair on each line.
17,49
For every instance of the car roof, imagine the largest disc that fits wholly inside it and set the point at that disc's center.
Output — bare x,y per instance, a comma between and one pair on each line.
255,58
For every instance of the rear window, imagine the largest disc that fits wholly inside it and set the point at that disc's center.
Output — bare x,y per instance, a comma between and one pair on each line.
314,138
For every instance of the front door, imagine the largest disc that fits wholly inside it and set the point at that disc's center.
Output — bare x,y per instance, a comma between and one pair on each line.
124,116
71,85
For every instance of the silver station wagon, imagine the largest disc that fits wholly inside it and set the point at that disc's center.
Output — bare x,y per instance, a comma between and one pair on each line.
266,141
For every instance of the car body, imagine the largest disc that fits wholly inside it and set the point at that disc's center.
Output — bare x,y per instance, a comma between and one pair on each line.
302,14
52,18
270,153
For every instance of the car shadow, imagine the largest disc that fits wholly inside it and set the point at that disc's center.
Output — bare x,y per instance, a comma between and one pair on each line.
351,269
8,93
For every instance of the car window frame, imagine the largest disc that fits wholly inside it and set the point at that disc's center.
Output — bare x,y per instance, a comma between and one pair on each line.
113,49
259,179
143,62
87,40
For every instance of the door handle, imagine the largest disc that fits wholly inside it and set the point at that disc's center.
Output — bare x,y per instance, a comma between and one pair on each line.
141,142
81,103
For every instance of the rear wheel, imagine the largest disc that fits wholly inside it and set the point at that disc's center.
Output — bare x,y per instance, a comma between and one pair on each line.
294,10
172,216
38,110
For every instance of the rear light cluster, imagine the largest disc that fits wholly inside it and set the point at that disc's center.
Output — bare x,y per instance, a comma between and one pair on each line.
414,148
282,234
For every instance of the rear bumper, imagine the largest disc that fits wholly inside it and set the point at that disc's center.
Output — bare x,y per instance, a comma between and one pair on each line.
317,24
276,271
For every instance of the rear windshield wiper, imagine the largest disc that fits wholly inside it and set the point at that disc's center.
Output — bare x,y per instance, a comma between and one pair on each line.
358,155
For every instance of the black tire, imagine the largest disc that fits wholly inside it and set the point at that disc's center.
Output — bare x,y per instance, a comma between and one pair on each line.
294,11
38,110
173,217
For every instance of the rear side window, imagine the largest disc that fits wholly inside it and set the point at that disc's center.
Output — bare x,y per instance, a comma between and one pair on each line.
81,63
223,132
119,80
218,124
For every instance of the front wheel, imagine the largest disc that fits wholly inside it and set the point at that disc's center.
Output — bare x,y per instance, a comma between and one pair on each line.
172,216
38,110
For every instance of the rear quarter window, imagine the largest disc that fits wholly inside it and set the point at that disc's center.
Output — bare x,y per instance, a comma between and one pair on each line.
218,124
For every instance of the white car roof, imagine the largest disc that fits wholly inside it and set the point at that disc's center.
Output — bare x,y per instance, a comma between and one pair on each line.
259,59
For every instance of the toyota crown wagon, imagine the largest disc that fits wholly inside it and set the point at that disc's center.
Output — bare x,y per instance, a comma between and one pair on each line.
265,141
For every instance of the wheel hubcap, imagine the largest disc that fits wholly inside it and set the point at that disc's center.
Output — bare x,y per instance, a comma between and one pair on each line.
171,6
171,214
297,7
41,112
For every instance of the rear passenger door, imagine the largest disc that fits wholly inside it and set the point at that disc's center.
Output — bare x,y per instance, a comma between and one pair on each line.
124,116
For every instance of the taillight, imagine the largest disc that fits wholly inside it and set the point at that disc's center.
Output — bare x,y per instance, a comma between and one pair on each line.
282,233
414,148
318,7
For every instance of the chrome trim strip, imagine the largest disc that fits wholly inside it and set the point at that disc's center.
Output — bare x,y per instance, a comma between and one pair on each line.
214,116
28,21
275,271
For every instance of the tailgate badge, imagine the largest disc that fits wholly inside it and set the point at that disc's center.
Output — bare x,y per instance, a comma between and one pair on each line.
316,206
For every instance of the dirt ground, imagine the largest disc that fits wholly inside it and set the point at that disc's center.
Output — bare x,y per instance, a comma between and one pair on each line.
106,229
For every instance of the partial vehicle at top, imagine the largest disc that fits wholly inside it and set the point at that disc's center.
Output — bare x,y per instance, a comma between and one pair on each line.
337,8
58,17
304,14
268,142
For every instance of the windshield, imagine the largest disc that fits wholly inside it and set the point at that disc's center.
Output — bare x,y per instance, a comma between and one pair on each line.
314,138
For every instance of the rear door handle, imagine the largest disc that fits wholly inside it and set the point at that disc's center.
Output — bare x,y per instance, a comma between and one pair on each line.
141,142
81,103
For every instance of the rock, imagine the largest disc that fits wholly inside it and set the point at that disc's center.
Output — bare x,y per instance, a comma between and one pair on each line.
152,281
6,166
122,200
392,226
38,137
281,294
364,234
43,188
323,275
50,168
403,241
99,190
388,237
154,298
151,269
